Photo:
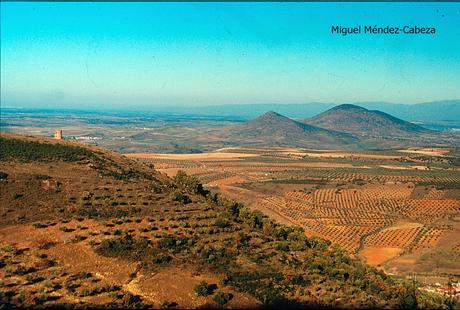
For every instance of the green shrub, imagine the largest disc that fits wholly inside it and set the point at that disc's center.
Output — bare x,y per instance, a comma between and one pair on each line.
21,270
42,298
79,238
189,183
204,289
161,259
122,174
408,298
222,298
15,195
84,275
222,223
182,198
300,280
125,246
130,300
173,243
66,229
168,304
39,225
41,177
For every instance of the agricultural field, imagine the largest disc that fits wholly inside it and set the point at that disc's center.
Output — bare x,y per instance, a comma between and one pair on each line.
395,209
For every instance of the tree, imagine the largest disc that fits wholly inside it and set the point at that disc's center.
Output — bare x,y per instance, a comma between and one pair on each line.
189,183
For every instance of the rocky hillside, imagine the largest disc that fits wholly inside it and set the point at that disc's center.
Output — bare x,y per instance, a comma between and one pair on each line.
376,129
83,227
354,119
273,129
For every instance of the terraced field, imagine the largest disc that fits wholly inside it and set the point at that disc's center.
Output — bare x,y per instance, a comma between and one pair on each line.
390,214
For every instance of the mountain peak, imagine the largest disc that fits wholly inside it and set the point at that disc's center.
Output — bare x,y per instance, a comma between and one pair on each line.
348,106
358,120
271,114
270,117
272,128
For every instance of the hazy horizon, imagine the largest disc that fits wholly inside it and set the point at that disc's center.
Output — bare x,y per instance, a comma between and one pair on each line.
204,106
153,55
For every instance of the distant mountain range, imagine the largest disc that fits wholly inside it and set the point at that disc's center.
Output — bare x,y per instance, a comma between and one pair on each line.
345,126
448,110
315,125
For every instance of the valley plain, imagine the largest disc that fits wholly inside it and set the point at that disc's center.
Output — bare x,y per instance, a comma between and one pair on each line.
398,210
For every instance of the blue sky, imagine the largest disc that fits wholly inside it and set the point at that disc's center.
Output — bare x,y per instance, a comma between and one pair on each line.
151,54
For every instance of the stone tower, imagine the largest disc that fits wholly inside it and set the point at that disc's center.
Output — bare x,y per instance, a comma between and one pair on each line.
58,134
